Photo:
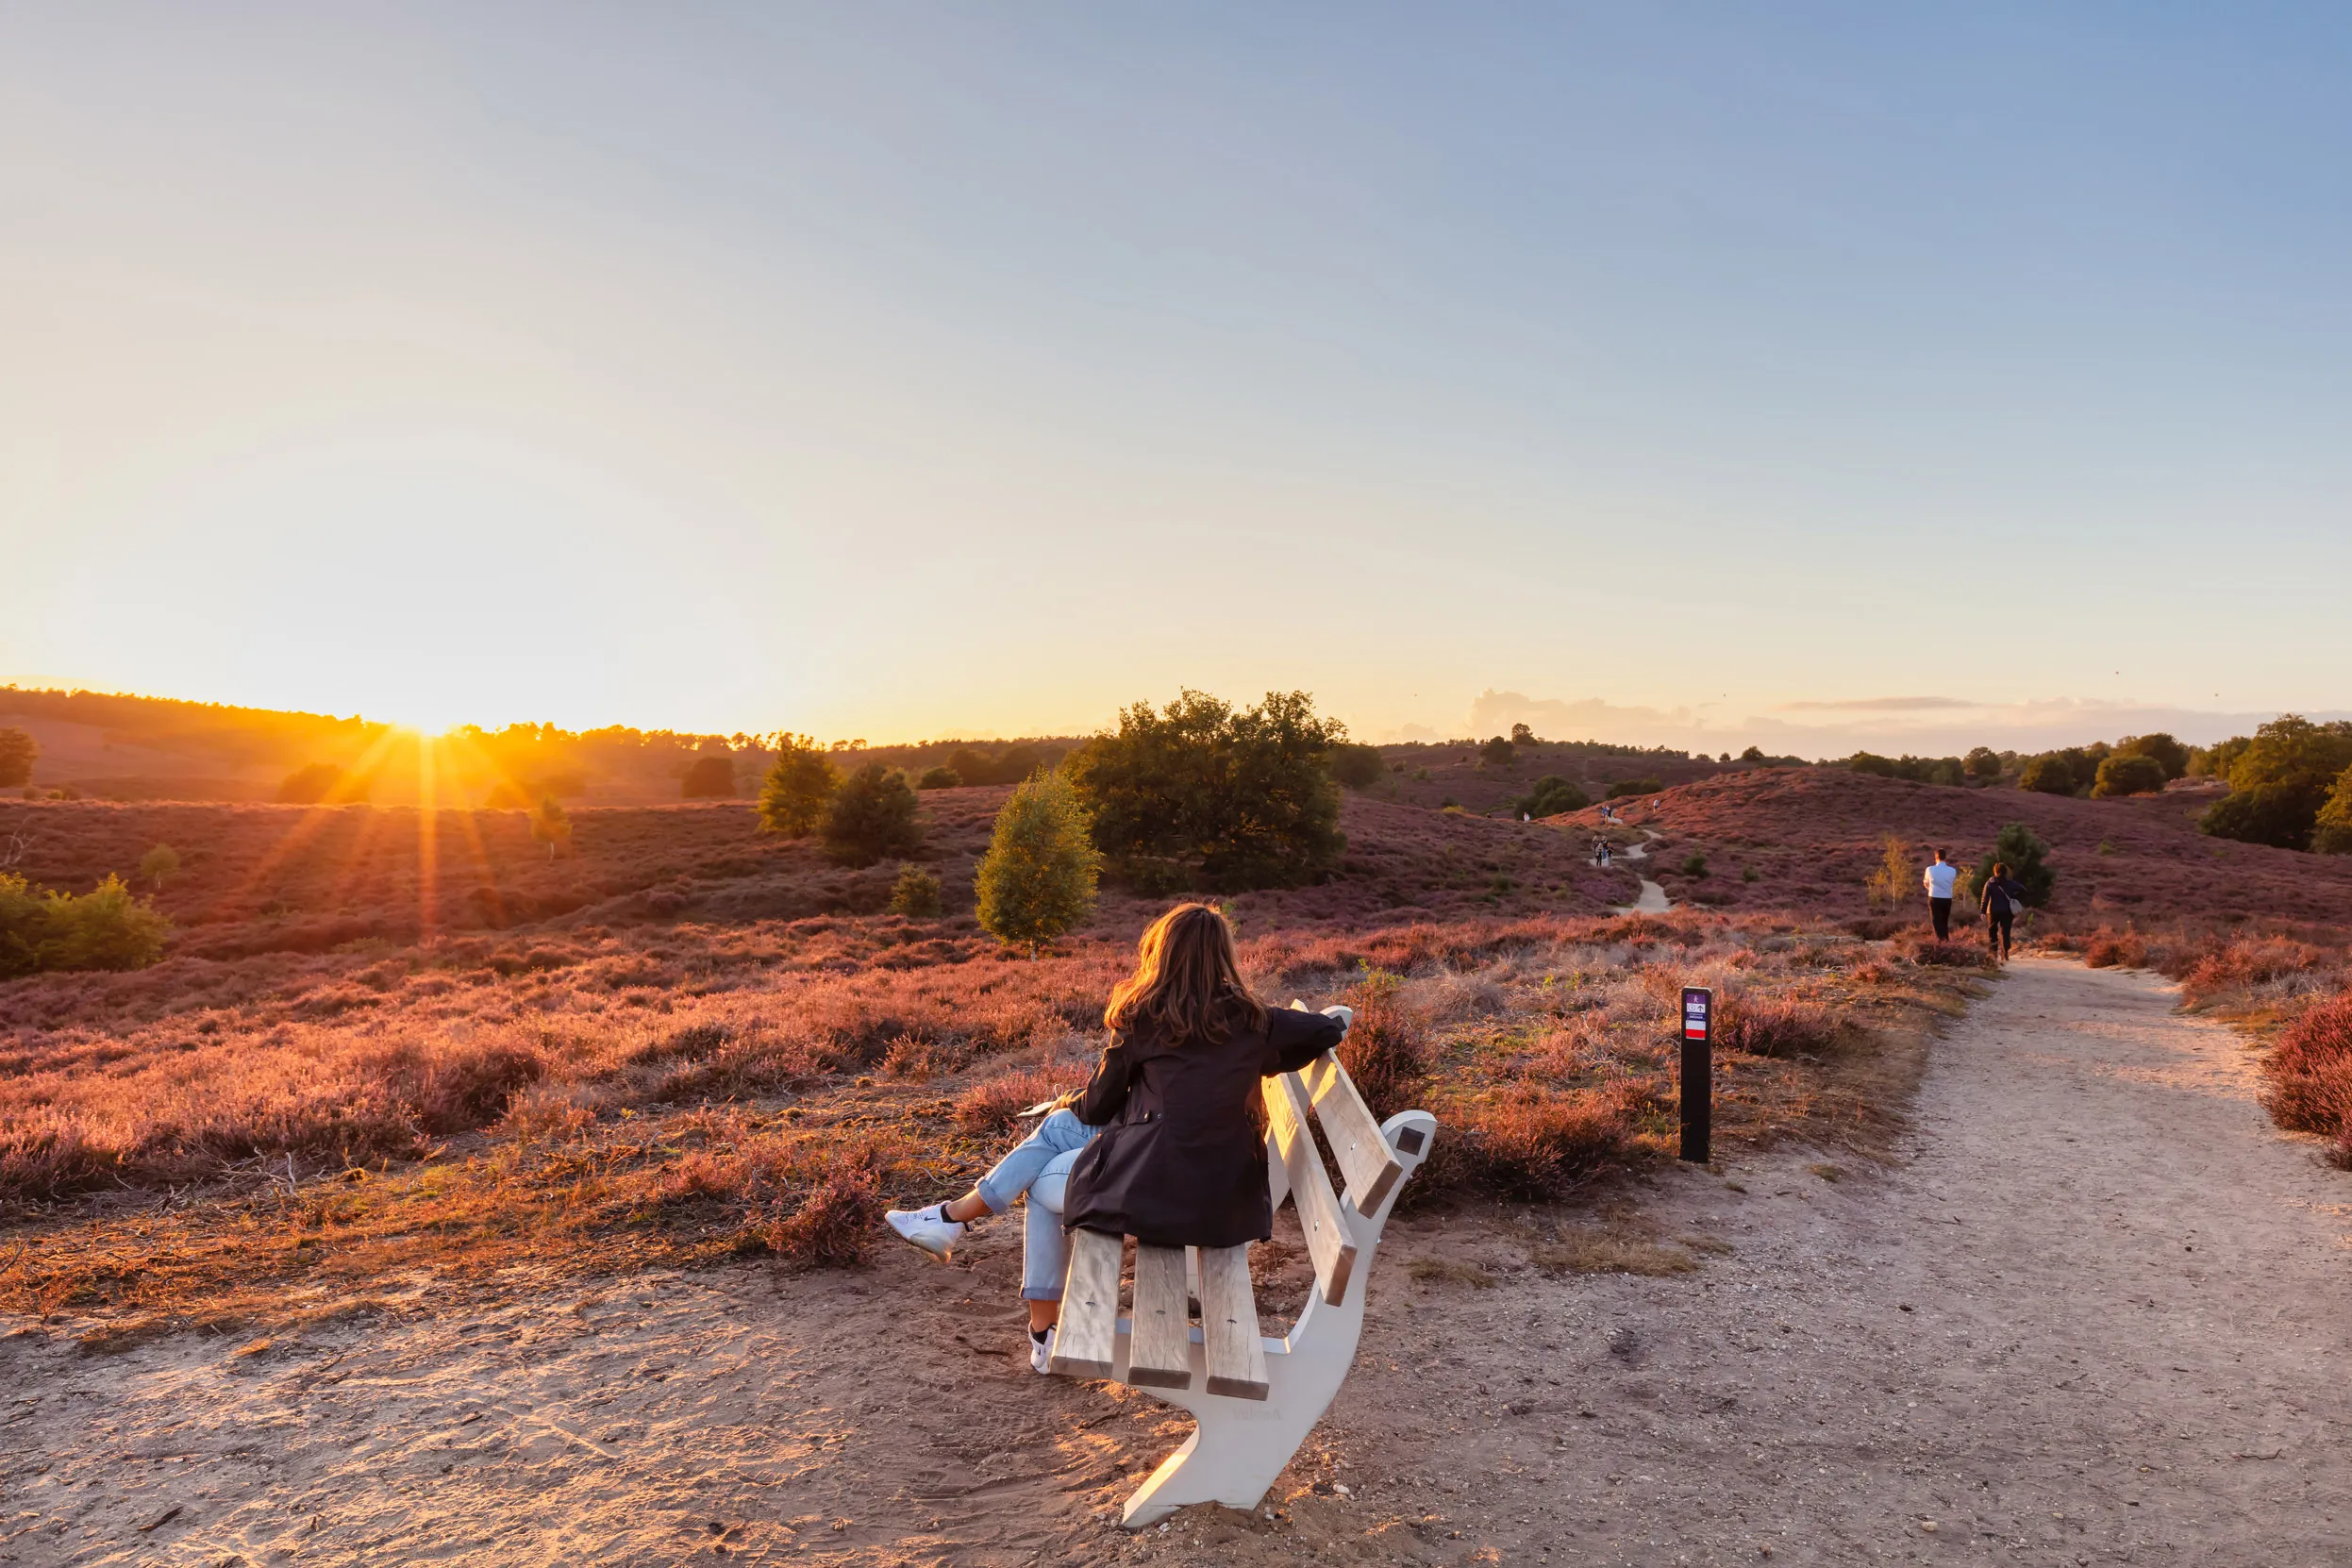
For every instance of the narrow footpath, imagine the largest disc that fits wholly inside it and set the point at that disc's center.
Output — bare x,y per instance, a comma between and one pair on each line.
2102,1314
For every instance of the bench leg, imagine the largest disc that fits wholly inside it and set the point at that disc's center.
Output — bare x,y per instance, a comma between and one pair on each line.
1228,1460
1238,1447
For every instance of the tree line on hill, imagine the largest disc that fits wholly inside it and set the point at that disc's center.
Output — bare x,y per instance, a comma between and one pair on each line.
2290,782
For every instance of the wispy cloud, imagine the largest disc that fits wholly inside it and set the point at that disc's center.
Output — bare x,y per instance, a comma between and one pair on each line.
1876,705
1932,727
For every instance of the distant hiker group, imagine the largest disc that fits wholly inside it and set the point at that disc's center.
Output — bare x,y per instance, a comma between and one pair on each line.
1600,850
2001,898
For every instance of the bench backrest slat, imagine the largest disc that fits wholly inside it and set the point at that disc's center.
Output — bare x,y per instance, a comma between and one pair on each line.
1365,1158
1160,1347
1229,1323
1329,1241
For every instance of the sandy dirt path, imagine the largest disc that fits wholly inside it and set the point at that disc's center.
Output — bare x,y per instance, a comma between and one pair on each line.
1652,897
2099,1315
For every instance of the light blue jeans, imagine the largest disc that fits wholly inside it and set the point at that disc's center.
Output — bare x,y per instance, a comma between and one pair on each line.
1040,1166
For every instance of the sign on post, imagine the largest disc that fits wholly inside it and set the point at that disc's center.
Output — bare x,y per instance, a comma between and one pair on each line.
1698,1071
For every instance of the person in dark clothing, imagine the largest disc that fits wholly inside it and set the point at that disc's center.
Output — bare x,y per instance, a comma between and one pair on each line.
1167,1142
2003,899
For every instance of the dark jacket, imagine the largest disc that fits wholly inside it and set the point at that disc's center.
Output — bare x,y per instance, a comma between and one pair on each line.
1181,1158
2003,895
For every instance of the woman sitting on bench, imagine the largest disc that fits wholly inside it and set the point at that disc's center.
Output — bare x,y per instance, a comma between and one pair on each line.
1167,1143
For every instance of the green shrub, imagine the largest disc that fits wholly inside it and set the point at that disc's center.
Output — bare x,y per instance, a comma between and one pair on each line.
1008,766
1625,787
2331,831
1551,796
2128,774
709,778
1693,864
2024,851
1234,798
1497,753
1037,879
1358,767
2050,774
107,929
939,779
2166,751
17,751
2282,815
871,817
915,895
799,786
1983,762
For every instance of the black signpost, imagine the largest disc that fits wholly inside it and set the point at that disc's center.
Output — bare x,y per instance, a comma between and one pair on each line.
1698,1071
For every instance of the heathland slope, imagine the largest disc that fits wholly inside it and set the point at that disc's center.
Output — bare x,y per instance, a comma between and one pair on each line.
280,878
1808,838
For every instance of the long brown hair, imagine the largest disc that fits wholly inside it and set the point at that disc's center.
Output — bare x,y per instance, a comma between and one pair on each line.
1187,980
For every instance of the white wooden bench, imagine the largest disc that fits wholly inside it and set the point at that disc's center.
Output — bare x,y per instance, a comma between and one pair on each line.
1255,1399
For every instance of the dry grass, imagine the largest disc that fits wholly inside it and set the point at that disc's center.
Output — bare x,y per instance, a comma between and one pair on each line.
1591,1249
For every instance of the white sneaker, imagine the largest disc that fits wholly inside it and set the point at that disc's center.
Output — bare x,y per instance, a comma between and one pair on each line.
1041,1354
928,1228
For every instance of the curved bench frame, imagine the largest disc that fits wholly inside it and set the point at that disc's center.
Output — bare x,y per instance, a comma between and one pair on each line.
1254,1399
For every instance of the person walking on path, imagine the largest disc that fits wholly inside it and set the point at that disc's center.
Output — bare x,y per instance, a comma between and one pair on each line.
2004,900
1938,879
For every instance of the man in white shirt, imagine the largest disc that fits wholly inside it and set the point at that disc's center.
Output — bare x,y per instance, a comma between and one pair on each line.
1938,879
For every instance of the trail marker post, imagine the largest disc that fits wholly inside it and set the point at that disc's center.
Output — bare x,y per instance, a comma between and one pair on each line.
1698,1071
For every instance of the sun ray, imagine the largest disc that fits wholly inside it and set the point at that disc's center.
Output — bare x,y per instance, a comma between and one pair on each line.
313,822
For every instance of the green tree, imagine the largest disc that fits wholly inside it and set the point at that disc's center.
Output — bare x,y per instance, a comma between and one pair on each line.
709,778
1551,796
1497,753
2280,782
799,786
550,827
157,863
2026,854
2129,772
1524,735
17,751
2050,774
1200,791
938,778
1984,762
2167,752
2331,833
1038,878
871,817
1355,766
2214,761
915,895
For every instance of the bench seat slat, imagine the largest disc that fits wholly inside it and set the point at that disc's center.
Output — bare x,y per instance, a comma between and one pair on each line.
1329,1241
1228,1313
1363,1154
1087,1340
1159,1347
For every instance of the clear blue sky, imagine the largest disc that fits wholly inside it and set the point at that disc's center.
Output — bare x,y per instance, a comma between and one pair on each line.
882,370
